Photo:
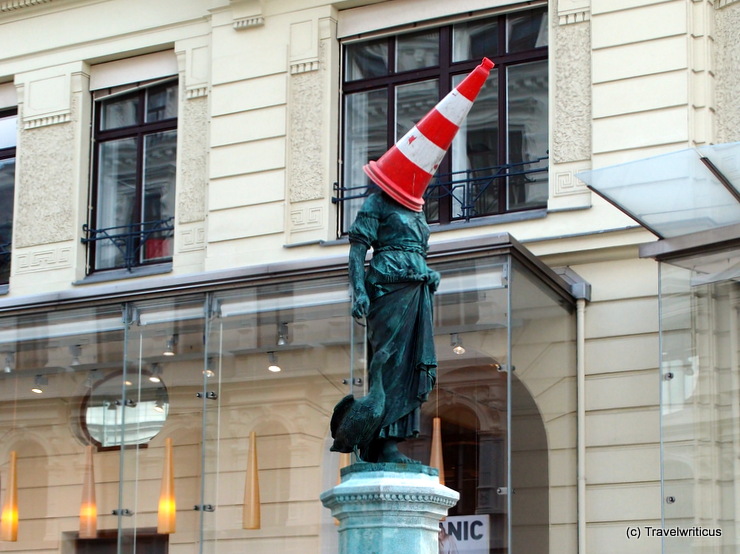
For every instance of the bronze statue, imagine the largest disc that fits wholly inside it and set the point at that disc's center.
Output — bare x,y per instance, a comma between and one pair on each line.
396,293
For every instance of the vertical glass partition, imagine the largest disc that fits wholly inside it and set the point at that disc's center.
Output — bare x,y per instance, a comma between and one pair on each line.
700,402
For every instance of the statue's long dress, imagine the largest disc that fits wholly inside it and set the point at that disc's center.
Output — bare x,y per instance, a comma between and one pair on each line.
400,318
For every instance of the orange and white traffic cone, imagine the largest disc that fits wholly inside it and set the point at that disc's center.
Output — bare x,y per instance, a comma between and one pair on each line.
404,171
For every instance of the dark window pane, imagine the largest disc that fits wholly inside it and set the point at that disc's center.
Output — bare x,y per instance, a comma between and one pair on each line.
526,30
475,155
366,59
8,131
159,193
417,51
121,112
527,133
161,102
365,138
116,197
7,186
475,40
413,102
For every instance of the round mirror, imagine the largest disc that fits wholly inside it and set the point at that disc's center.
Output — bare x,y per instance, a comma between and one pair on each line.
118,413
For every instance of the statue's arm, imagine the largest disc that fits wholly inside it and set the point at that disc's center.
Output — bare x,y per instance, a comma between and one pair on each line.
361,302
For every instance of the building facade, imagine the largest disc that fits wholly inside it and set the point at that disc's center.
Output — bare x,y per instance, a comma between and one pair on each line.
177,179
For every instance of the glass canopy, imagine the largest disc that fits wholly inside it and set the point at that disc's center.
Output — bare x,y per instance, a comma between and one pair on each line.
675,194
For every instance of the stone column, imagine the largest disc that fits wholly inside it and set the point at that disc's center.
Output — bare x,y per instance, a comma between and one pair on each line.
389,508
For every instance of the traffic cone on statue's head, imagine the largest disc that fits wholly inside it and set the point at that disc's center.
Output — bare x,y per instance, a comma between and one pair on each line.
404,172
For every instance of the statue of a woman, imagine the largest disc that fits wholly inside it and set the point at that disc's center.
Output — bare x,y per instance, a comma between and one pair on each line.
396,297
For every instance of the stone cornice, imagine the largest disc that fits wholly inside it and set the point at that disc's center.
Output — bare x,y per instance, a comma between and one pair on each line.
12,5
722,3
574,17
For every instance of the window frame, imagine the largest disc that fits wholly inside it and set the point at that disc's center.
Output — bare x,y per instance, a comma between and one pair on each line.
444,72
6,154
137,131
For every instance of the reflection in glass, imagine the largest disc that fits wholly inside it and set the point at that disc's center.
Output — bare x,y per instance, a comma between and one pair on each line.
365,138
475,40
413,102
160,152
417,51
527,86
161,102
366,59
121,112
114,419
475,155
7,188
8,131
526,30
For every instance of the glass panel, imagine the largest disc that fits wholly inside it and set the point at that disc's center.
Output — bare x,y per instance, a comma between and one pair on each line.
164,361
475,156
526,30
119,112
160,153
413,102
700,403
365,138
475,40
417,51
61,355
364,60
527,131
543,417
303,329
161,102
673,194
8,131
470,312
7,188
116,200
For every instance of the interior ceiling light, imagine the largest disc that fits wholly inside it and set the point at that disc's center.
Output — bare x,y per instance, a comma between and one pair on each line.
169,348
8,362
282,338
274,367
208,371
457,345
156,376
38,383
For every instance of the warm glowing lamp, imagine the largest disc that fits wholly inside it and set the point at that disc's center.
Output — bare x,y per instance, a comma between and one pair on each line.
88,506
435,459
9,519
167,507
251,514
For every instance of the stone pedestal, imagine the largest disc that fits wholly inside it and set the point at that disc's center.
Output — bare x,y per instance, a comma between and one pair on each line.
389,508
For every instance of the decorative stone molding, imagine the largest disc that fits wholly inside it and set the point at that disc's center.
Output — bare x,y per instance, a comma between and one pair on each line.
248,23
44,121
53,257
19,4
566,183
304,67
307,218
247,14
573,11
193,165
197,92
192,239
719,4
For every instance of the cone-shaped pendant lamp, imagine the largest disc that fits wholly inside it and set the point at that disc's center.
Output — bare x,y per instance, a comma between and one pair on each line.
88,506
167,507
251,515
9,521
435,459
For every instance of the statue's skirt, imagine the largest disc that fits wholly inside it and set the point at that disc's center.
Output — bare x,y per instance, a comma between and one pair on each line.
401,325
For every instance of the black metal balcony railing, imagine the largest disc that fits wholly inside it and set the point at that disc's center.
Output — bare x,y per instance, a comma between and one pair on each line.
465,188
137,243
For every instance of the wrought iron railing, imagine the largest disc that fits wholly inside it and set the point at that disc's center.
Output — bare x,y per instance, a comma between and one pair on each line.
150,238
5,262
465,188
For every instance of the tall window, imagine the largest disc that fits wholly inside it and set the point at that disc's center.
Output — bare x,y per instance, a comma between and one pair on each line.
134,176
498,160
8,133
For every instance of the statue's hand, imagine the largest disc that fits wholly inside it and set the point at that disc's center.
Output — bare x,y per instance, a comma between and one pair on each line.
433,280
361,306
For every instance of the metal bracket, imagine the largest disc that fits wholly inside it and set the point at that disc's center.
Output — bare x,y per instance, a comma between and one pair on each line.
204,508
210,395
123,512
